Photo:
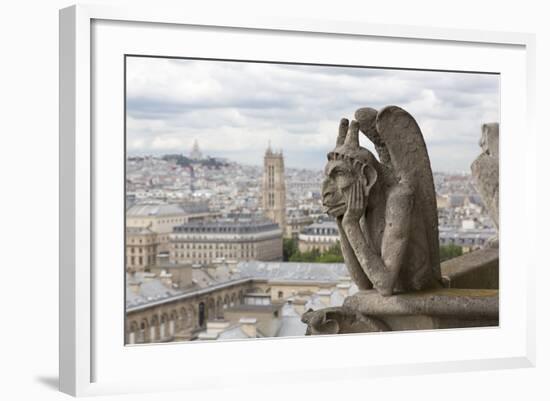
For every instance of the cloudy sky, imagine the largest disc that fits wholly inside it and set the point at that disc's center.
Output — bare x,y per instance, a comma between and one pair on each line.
234,109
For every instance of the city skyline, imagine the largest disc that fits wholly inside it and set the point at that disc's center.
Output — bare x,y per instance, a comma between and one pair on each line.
234,109
230,253
259,165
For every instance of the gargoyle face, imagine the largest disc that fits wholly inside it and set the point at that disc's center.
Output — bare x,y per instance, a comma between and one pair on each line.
347,163
489,139
339,176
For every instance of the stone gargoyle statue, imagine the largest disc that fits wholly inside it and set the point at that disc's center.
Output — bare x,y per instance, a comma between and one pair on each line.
485,171
386,214
385,209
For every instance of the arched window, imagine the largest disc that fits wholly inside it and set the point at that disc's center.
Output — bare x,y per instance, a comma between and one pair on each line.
153,336
164,326
226,301
219,308
173,323
201,313
133,332
184,317
211,312
143,335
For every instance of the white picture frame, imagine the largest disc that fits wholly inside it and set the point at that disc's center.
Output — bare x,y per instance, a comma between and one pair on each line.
93,358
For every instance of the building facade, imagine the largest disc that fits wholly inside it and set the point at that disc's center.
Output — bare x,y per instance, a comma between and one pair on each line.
468,240
231,239
295,224
321,236
273,188
162,218
141,248
176,316
252,299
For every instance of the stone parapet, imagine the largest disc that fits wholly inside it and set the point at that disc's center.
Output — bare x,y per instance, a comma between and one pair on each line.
368,311
441,302
475,270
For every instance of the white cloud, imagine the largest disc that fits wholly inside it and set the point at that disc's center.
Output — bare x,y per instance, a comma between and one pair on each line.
236,108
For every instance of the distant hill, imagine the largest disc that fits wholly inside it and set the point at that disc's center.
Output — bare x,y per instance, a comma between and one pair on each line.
184,161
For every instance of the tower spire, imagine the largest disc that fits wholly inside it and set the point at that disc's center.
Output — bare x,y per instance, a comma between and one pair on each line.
273,188
195,153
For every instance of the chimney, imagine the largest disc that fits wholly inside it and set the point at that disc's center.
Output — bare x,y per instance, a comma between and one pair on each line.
324,296
135,286
212,270
147,277
166,278
343,289
299,305
162,258
213,330
216,327
248,326
181,275
205,336
344,279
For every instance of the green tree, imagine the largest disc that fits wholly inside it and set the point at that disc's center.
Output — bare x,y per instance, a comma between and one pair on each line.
332,255
289,248
450,251
291,253
309,256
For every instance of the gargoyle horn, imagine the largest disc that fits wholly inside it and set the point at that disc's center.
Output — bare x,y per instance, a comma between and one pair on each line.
342,131
352,137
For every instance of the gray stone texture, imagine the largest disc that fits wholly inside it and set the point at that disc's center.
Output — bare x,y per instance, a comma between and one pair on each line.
485,170
387,219
368,311
477,270
386,211
444,302
339,320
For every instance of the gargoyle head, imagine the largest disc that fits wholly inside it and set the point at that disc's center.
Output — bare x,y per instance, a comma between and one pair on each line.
347,163
489,139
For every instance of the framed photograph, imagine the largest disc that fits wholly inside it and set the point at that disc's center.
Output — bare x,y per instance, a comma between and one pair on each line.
341,199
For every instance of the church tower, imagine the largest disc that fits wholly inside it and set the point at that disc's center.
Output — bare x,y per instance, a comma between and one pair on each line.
273,187
195,153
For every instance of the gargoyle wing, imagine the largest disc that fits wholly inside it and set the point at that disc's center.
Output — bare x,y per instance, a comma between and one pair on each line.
401,148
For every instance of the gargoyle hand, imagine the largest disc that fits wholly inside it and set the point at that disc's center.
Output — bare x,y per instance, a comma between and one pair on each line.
356,203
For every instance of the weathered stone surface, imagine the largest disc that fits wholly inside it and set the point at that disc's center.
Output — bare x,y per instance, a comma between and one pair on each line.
386,211
368,311
340,320
387,217
485,171
478,269
444,302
